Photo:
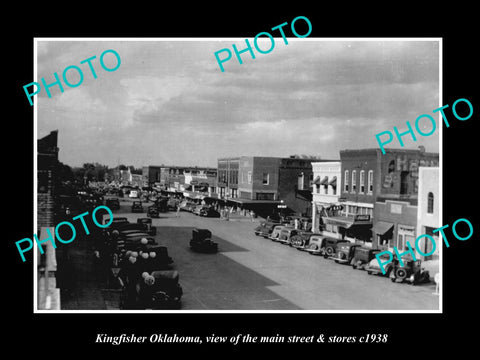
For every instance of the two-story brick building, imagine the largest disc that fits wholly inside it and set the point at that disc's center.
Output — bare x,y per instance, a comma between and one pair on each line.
263,183
379,194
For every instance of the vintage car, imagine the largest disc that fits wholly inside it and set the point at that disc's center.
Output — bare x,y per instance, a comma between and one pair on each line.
197,208
363,255
153,212
302,240
155,257
147,223
286,235
202,241
208,211
112,204
265,228
137,207
276,232
134,241
187,206
162,204
344,253
411,271
323,245
172,203
159,290
373,267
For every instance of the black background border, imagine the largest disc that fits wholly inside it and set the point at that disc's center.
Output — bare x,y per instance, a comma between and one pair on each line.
76,333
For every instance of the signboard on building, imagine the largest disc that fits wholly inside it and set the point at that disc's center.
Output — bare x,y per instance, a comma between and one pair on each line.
396,208
362,217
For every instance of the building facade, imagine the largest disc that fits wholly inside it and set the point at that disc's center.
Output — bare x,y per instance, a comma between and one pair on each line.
396,204
151,175
262,183
227,177
379,192
326,188
428,215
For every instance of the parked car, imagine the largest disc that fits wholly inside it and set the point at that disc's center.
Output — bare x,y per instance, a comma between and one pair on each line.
301,240
344,253
172,203
137,207
196,210
265,228
112,204
147,223
202,241
363,256
276,232
159,290
162,204
152,211
157,259
286,235
209,211
411,271
323,245
373,266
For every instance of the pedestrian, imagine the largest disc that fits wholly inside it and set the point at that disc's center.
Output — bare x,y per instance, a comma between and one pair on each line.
178,210
296,224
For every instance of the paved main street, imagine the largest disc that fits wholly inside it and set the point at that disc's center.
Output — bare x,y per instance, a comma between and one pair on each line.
253,273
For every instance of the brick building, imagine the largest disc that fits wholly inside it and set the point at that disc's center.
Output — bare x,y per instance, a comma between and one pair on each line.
47,165
263,183
47,206
379,194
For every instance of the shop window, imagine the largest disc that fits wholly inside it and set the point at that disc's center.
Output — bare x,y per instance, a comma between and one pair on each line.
430,203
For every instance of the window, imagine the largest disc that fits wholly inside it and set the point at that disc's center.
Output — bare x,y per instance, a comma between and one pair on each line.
354,180
249,177
265,178
430,203
370,181
346,181
317,186
362,181
300,181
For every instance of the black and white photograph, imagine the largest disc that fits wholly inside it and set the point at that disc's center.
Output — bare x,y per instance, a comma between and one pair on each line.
261,187
231,182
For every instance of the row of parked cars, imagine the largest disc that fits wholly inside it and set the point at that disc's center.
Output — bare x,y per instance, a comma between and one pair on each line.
199,209
343,252
142,267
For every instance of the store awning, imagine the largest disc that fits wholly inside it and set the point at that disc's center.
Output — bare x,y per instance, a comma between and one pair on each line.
333,182
317,180
324,181
381,227
343,221
346,221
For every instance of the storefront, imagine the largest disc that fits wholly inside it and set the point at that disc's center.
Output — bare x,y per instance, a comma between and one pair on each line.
355,228
395,224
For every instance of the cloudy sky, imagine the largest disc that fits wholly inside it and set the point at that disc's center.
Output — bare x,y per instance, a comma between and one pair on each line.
169,103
